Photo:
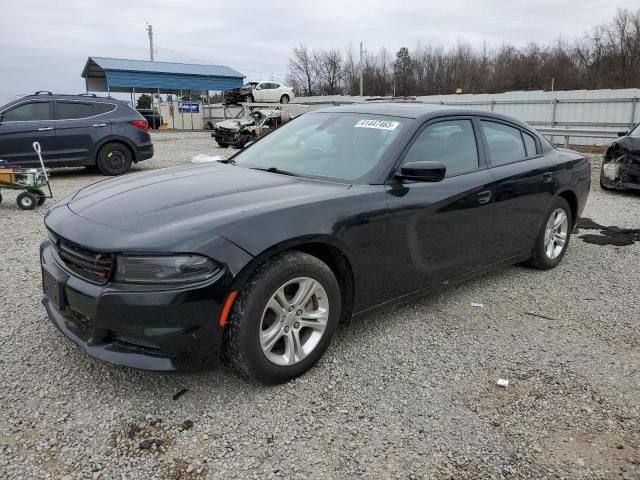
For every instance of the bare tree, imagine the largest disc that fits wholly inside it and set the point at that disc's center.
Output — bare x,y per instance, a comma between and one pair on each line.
303,70
606,57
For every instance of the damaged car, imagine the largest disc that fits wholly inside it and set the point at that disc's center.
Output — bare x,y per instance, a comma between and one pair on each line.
621,163
233,96
237,132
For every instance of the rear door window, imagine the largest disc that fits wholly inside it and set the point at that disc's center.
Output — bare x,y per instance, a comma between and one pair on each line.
73,110
504,142
28,112
451,142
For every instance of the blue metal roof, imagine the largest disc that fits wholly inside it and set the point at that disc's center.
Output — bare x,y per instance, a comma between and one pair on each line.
114,74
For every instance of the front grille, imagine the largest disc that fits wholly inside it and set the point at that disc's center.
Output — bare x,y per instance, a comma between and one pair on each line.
88,264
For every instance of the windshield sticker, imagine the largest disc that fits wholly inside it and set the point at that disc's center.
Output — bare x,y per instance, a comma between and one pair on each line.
379,124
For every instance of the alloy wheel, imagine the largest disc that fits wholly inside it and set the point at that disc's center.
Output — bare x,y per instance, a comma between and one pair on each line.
294,321
555,235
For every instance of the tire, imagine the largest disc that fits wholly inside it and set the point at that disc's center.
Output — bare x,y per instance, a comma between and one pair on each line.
223,145
0,198
540,257
251,315
249,99
42,197
27,201
284,99
114,159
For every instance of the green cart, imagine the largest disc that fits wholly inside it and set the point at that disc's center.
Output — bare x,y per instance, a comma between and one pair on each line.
30,180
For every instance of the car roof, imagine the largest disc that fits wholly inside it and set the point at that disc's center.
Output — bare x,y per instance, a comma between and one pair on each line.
416,110
62,96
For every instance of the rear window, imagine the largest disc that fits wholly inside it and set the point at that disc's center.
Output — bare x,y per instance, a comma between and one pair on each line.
28,112
104,108
72,110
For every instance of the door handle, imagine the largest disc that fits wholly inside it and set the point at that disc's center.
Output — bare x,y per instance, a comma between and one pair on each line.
44,129
100,125
484,197
547,177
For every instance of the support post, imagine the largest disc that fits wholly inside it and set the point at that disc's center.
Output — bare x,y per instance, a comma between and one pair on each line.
181,108
633,113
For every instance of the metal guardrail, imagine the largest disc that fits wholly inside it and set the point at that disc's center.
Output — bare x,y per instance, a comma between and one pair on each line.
567,133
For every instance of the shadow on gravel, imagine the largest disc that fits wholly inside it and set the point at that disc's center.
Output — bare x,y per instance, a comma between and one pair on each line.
613,235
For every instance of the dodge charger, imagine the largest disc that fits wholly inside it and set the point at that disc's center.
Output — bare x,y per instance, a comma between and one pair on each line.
257,259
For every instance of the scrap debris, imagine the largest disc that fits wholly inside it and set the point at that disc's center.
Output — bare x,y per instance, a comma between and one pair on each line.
180,393
613,235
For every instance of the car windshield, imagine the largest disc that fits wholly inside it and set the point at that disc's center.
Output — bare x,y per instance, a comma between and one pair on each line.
342,147
250,84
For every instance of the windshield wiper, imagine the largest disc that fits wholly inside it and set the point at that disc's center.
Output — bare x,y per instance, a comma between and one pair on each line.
276,170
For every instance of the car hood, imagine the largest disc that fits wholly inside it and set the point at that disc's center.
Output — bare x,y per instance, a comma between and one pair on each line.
201,197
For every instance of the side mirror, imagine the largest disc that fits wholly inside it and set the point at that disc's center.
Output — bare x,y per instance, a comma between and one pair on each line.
423,171
623,133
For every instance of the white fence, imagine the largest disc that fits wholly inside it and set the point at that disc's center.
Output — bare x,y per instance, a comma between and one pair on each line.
610,110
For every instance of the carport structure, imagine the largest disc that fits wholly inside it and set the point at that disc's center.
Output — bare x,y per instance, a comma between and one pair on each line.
142,76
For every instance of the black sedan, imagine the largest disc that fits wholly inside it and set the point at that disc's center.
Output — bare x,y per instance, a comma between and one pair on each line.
621,163
334,215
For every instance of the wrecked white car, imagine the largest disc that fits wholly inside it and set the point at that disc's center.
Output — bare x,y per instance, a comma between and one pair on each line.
237,132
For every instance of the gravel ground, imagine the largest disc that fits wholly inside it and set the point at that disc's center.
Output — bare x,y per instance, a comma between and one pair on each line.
408,393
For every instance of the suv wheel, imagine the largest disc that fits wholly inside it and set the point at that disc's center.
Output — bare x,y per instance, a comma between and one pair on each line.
284,318
114,159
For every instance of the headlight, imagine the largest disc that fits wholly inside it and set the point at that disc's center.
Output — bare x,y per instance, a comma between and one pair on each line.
164,269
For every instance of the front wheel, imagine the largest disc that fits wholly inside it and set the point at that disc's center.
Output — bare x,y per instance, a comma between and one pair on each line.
249,99
114,159
284,99
284,318
27,201
553,239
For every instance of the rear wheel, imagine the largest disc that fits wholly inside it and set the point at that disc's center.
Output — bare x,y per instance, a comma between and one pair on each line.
284,99
42,197
27,201
284,318
114,159
553,239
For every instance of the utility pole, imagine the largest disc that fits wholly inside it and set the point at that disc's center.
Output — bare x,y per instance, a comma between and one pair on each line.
361,71
150,30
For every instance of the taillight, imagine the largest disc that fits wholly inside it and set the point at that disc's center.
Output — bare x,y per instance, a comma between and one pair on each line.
142,124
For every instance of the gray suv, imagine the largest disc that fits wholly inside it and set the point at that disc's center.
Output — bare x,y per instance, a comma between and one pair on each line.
74,130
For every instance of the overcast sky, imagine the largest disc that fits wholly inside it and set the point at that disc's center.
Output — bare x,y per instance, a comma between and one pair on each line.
45,44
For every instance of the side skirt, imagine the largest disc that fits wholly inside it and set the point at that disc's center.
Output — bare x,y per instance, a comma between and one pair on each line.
440,286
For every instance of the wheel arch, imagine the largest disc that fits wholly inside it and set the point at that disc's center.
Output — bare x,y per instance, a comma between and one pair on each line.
120,140
572,199
324,248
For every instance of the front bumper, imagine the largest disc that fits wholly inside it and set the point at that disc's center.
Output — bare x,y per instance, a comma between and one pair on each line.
175,329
